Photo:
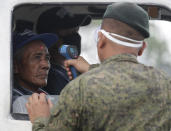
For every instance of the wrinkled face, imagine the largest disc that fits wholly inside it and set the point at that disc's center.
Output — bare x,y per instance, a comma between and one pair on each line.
34,66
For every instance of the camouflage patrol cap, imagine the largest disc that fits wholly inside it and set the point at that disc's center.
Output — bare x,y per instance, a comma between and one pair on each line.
131,14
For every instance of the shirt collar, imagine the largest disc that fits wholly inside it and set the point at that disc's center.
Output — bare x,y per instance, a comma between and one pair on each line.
121,57
25,91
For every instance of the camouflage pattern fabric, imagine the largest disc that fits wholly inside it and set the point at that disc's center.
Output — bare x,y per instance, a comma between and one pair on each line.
119,95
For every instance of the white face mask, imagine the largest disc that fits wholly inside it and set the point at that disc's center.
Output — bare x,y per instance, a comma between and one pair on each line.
134,44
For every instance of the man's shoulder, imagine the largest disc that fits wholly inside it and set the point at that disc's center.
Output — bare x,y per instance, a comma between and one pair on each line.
83,78
100,73
156,72
93,73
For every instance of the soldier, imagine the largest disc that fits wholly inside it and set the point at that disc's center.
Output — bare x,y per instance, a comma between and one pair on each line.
120,94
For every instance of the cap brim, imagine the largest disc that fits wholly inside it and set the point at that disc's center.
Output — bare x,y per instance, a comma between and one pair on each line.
76,21
47,38
86,19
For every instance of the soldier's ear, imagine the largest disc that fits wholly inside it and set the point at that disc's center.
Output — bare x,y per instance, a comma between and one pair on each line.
101,41
142,48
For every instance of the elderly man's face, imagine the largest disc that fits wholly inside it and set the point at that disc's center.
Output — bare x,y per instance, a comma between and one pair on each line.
34,67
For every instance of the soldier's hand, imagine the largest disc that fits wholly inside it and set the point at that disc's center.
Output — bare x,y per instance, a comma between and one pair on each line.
80,64
38,106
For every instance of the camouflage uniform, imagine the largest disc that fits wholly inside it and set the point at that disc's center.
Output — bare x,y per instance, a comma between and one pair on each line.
119,95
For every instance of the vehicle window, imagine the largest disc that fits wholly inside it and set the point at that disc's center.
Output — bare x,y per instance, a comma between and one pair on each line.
25,20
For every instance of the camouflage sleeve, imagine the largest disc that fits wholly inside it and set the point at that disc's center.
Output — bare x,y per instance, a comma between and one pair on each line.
39,124
93,66
65,116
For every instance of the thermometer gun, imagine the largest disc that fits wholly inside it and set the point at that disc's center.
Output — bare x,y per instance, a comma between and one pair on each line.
69,52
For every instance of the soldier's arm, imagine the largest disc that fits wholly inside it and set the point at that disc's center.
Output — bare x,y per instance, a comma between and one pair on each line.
93,66
80,64
65,116
40,124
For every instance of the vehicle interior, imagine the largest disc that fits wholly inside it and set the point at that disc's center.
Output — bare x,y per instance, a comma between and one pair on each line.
157,53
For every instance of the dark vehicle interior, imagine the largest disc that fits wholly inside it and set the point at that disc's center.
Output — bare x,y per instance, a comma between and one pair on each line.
26,16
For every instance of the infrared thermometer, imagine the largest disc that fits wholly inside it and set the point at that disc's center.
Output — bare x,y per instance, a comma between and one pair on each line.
69,52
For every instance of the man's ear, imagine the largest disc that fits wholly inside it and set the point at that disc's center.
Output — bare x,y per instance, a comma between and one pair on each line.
15,67
142,48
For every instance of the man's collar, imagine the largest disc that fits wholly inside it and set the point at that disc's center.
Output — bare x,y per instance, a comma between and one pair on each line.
121,57
25,91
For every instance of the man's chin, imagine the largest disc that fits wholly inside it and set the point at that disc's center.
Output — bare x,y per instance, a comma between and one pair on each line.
41,83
